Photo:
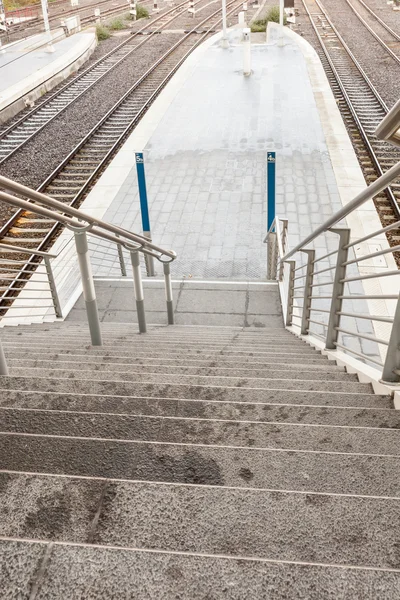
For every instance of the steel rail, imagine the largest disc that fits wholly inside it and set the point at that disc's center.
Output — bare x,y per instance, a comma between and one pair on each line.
67,87
372,32
364,135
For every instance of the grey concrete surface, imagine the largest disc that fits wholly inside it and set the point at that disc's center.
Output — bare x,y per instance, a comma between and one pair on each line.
243,467
225,409
19,565
280,382
96,573
194,304
216,393
205,432
253,523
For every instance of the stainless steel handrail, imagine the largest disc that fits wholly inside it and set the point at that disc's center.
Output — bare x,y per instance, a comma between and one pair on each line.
80,224
76,219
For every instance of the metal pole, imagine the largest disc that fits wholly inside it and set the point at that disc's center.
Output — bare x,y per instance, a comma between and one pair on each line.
290,298
168,293
281,7
272,243
271,178
309,278
53,289
121,260
47,25
89,293
3,362
224,41
137,283
391,373
133,9
338,289
144,209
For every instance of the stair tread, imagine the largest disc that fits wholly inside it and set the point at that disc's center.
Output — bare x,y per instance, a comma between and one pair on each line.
296,470
197,430
73,569
205,380
328,414
156,390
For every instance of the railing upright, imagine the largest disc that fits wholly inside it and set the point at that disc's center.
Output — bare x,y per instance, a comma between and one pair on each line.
309,278
89,292
338,289
3,362
138,287
290,296
168,293
391,368
53,288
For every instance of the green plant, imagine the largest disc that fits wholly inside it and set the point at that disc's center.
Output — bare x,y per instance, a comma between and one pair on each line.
141,12
116,24
272,15
102,32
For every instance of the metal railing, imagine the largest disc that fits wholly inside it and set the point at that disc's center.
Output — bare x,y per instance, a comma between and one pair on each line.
314,288
38,266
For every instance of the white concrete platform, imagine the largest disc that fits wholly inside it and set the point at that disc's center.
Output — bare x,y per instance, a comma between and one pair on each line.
28,69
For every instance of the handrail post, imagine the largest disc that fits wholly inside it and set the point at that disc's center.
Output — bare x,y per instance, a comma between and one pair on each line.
53,289
290,296
309,278
138,287
271,248
121,259
89,292
285,223
3,362
168,293
391,373
338,288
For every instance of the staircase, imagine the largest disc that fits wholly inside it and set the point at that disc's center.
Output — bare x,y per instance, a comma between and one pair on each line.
193,463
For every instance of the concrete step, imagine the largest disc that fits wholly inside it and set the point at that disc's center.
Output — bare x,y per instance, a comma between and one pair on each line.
265,524
72,570
275,371
277,394
318,362
237,411
324,472
271,382
286,355
143,342
203,431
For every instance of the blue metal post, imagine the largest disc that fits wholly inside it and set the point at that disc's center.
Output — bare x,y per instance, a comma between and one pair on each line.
144,207
270,188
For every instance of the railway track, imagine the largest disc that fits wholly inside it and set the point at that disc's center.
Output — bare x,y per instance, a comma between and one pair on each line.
22,130
361,106
77,173
86,14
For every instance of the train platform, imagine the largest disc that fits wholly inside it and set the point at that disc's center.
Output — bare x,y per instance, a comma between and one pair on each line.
205,142
28,69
